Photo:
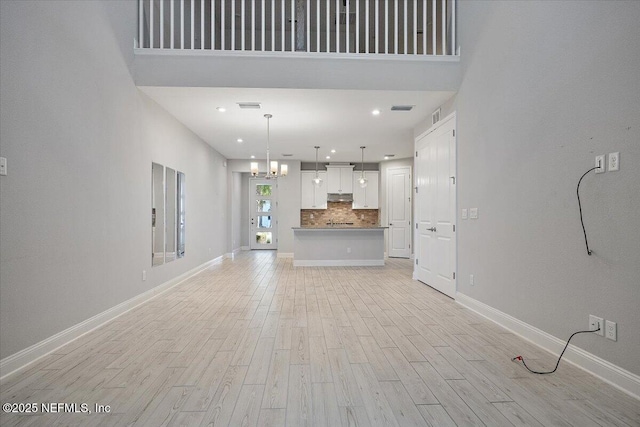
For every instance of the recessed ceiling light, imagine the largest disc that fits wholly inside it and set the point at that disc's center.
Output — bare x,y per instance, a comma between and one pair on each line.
328,157
253,157
375,112
333,151
221,109
386,157
239,140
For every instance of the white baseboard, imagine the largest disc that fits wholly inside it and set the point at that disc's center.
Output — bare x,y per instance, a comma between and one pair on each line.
18,361
244,248
338,262
285,255
606,371
233,253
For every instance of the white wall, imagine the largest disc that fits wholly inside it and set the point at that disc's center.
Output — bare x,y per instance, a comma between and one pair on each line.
236,214
545,89
80,138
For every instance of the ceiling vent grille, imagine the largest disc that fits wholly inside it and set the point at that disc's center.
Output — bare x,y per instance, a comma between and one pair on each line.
402,107
249,105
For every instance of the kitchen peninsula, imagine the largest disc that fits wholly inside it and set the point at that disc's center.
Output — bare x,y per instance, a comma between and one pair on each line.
338,245
338,235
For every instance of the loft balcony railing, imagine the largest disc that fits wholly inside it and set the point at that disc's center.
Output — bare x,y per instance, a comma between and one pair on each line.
371,28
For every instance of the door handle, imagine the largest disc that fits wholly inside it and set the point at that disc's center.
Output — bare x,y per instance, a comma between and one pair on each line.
390,224
431,229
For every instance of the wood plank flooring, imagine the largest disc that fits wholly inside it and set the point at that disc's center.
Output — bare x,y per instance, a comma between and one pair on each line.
255,342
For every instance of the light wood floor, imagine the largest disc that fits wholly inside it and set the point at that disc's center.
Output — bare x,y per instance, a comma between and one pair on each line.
254,341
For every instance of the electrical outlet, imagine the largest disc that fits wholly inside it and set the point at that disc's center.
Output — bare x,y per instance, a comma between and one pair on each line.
614,161
144,275
3,166
471,281
600,164
473,213
348,250
596,322
611,330
465,214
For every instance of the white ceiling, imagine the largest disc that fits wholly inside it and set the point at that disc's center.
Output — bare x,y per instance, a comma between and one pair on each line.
302,118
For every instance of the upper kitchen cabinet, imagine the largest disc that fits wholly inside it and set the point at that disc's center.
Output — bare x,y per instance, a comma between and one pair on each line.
313,197
339,179
367,197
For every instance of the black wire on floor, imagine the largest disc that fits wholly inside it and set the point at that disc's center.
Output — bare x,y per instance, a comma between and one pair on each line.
520,358
589,251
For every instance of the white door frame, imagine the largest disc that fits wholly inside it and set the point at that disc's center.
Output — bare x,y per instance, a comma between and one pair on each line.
390,209
433,128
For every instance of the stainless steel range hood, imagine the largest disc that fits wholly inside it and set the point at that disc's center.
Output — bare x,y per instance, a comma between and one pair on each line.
340,197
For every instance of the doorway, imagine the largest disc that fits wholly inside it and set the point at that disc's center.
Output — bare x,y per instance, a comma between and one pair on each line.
435,205
263,233
399,208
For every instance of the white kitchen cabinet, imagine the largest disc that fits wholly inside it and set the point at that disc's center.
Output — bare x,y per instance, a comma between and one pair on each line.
312,197
339,179
367,197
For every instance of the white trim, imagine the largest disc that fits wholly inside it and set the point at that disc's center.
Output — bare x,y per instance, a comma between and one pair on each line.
18,361
338,262
285,254
436,126
244,248
301,55
606,371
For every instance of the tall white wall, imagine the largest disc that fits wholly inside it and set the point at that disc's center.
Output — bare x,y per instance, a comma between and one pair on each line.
75,217
546,87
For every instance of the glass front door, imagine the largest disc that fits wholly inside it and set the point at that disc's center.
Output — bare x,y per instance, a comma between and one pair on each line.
263,216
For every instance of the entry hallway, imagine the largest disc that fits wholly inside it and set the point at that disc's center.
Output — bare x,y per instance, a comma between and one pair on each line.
254,341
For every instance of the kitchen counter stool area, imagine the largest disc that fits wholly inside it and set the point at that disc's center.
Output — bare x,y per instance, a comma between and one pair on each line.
338,246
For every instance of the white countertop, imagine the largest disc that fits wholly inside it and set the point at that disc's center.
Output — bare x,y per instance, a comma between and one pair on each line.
338,228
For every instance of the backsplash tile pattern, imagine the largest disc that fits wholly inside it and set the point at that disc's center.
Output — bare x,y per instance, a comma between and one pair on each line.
340,212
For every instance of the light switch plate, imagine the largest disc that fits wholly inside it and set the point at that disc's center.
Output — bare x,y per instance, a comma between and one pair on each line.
3,166
473,213
614,161
600,164
465,214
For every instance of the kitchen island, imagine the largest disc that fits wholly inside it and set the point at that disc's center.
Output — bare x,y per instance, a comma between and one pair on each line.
338,246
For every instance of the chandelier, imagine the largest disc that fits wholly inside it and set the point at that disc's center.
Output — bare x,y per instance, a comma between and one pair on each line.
272,165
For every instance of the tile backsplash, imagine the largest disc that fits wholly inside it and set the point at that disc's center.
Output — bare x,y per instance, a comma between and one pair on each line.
340,212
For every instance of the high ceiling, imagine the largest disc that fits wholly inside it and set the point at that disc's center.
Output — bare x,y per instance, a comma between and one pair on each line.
302,118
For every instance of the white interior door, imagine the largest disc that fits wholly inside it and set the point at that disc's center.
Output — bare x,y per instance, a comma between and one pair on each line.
263,213
399,212
436,208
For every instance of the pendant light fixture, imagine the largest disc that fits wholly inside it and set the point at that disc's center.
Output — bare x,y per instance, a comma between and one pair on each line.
272,166
317,181
362,180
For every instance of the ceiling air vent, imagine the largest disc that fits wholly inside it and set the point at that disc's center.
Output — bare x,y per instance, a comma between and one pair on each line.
402,107
249,105
287,155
